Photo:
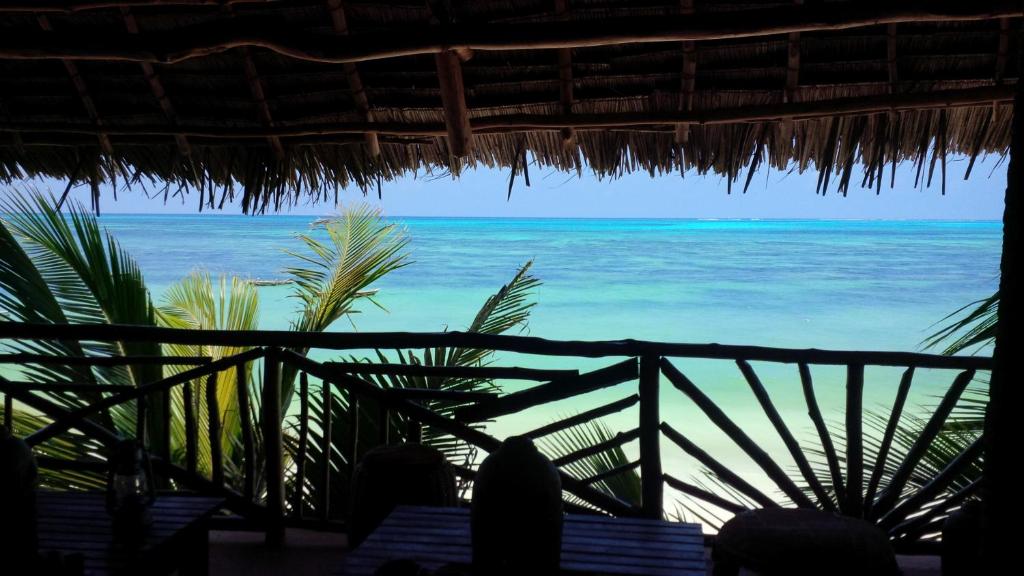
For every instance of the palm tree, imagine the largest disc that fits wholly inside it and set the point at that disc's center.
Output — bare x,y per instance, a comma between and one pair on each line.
64,268
57,268
505,310
198,302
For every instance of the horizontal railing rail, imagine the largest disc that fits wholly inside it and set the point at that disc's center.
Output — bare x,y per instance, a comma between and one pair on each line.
503,343
287,459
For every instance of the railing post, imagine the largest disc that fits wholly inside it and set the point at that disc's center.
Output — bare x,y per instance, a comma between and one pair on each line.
272,446
854,440
191,427
140,420
414,432
384,424
326,437
214,431
9,412
652,484
353,432
245,422
300,460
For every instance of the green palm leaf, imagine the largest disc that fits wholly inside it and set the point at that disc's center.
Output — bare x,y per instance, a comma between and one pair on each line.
26,297
330,277
92,279
198,303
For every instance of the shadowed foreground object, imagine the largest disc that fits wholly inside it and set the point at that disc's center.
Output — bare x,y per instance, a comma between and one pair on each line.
799,542
18,473
438,540
389,476
517,507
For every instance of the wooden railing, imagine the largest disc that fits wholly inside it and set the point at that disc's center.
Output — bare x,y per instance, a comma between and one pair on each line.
275,485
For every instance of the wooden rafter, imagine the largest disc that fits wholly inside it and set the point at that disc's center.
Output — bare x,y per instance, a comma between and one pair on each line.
259,94
792,73
1003,50
83,92
72,6
355,82
807,110
565,82
201,40
793,63
689,79
892,62
156,86
453,100
15,137
793,67
453,89
252,77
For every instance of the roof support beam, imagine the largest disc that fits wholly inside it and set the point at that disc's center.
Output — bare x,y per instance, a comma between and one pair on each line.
83,92
453,90
183,44
252,76
15,137
1003,50
355,82
565,84
891,60
453,99
156,86
807,110
72,6
792,73
689,80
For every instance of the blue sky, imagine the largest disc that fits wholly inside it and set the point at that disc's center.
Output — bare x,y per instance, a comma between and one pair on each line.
772,194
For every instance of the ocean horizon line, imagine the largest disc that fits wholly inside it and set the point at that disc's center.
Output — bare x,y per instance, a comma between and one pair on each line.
567,218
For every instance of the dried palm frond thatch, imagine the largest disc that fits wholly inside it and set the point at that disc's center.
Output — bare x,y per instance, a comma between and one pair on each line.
286,101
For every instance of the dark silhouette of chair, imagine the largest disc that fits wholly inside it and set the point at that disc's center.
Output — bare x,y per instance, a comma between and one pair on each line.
802,542
403,474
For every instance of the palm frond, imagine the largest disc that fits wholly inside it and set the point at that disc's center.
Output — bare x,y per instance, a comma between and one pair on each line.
506,309
331,276
67,269
26,297
197,302
625,486
974,329
76,447
84,267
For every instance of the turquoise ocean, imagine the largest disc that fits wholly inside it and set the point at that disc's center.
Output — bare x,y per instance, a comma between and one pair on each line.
864,285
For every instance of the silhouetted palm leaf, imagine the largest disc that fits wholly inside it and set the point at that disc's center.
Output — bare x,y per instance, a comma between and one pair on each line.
506,309
976,328
625,486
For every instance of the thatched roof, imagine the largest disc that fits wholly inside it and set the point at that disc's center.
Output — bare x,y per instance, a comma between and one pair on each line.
281,99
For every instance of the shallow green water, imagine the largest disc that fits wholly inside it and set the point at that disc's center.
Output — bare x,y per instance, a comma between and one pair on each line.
824,284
